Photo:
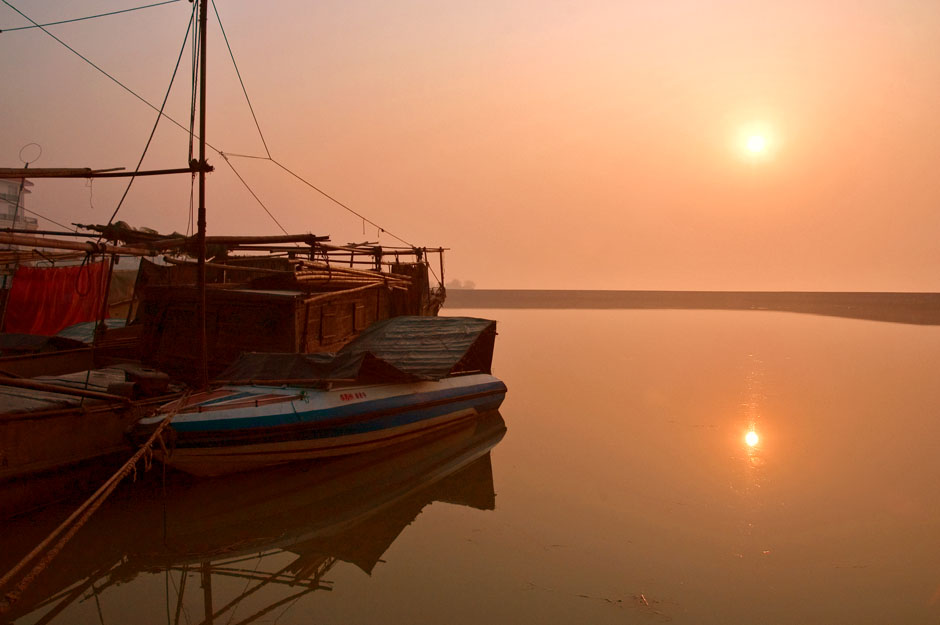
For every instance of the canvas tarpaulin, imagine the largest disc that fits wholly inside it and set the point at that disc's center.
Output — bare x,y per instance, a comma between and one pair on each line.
400,349
44,300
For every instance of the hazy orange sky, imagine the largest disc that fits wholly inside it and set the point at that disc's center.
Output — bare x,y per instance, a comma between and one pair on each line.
550,144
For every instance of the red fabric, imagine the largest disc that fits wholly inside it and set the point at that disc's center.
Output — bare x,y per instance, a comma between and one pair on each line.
46,300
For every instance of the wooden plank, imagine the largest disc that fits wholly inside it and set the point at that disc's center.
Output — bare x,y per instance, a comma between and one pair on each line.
63,390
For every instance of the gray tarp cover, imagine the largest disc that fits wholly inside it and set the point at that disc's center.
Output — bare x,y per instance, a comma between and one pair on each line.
399,349
85,331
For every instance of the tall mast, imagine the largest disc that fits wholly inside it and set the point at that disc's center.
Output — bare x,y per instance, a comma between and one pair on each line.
203,376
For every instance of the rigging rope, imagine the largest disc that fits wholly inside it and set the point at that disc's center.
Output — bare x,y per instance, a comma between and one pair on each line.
89,17
191,132
268,152
338,203
87,60
156,123
242,83
253,194
41,216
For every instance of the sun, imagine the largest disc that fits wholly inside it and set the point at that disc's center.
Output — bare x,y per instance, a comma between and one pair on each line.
751,438
756,144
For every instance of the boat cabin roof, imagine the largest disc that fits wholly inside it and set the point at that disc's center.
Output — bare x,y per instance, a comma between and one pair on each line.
400,349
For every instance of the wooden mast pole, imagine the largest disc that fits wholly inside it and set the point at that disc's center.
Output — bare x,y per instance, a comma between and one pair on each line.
203,376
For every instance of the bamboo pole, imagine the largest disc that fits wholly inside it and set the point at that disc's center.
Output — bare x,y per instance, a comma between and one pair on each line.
227,267
53,172
56,233
100,322
63,390
325,296
88,172
346,270
237,241
89,247
325,279
12,258
320,272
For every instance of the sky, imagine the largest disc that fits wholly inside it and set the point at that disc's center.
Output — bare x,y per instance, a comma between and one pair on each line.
547,144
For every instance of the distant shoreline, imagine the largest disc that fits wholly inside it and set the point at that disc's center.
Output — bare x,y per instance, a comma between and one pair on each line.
912,308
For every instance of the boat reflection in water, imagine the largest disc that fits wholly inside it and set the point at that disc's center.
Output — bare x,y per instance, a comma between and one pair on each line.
302,518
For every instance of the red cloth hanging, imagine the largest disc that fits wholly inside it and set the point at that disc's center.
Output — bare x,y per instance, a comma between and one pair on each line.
44,300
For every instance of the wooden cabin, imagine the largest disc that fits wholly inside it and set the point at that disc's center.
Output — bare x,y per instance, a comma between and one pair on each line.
265,304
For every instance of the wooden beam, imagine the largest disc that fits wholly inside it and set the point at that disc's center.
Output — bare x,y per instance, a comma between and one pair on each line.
63,390
88,172
88,246
53,172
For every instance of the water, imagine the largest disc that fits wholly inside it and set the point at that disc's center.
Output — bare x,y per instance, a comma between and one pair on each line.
621,491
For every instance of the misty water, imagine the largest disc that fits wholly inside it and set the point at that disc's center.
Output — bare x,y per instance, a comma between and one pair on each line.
615,486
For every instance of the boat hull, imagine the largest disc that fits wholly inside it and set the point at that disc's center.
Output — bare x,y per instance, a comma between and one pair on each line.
63,448
238,428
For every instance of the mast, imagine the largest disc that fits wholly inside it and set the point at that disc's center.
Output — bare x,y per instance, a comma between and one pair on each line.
203,376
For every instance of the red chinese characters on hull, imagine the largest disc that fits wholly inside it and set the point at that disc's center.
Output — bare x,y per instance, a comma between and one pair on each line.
352,396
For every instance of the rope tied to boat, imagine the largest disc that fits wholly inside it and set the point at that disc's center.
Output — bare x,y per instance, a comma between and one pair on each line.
50,547
148,458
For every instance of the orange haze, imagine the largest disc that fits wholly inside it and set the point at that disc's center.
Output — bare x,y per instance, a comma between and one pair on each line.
549,144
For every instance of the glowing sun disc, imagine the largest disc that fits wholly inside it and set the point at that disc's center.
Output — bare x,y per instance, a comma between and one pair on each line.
751,438
756,144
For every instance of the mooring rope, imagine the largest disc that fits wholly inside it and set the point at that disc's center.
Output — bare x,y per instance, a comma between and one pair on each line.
77,519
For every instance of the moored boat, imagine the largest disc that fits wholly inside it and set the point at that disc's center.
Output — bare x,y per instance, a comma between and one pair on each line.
401,378
202,302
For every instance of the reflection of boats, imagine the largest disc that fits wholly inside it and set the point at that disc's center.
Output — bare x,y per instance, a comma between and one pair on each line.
400,378
349,509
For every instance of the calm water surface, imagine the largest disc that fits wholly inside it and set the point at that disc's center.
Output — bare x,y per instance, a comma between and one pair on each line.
622,490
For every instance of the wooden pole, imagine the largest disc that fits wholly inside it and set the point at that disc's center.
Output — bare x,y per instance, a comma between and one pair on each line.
102,322
87,172
87,246
203,375
52,172
206,575
62,390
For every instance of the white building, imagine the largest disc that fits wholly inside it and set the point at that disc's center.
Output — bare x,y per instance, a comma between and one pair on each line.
13,203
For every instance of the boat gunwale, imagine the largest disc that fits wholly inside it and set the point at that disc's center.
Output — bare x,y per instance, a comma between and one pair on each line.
308,430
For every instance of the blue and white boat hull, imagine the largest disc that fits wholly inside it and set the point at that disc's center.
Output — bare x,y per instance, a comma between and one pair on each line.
235,428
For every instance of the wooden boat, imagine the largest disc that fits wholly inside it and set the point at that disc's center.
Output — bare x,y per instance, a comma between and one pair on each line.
59,434
291,293
401,378
192,316
54,440
308,299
